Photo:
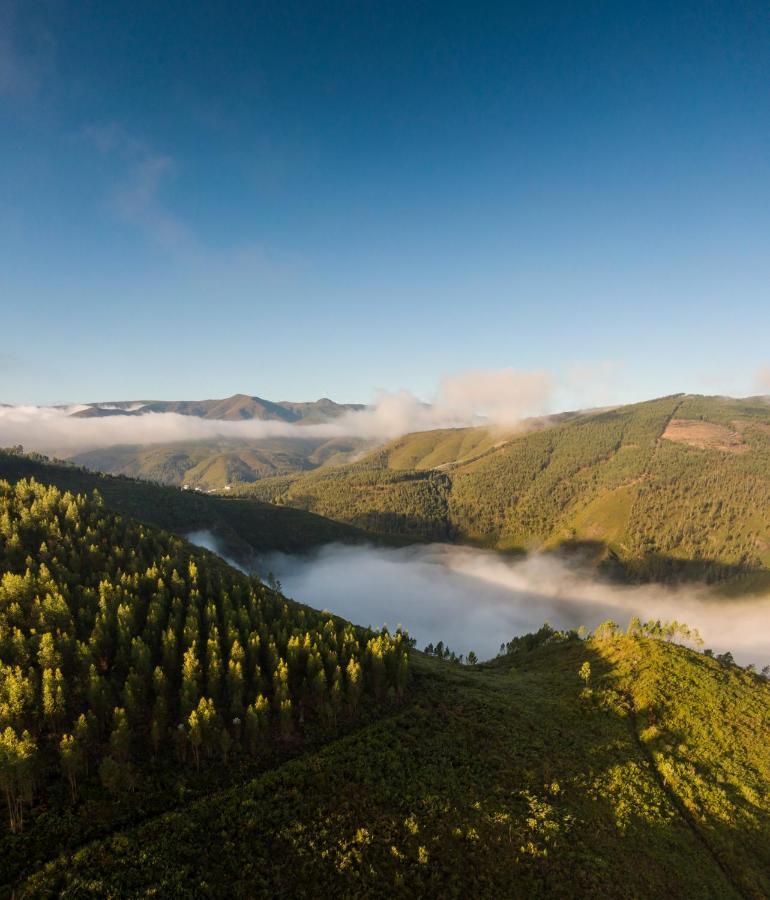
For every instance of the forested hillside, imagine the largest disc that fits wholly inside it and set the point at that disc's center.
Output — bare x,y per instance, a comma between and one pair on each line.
170,727
676,487
244,527
217,463
128,660
615,767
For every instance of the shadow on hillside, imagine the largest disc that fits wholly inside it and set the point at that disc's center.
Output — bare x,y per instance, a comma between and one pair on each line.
415,527
662,568
731,834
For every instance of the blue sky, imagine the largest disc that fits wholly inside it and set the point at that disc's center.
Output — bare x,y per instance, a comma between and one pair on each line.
303,199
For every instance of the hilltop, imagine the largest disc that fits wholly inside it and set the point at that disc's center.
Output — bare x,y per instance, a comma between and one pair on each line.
235,408
671,488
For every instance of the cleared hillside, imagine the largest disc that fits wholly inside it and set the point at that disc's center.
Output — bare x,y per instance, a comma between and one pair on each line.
676,487
511,779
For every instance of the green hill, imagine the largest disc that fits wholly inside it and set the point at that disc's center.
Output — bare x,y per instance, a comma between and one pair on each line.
508,780
170,727
675,487
213,464
236,408
244,526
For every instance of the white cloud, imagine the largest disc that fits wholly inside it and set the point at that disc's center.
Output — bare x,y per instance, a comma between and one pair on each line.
501,398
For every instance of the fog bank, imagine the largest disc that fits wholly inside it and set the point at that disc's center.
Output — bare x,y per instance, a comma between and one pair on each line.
476,599
500,398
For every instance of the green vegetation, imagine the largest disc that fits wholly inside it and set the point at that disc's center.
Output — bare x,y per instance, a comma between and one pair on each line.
216,463
673,488
676,488
376,498
244,526
127,656
170,727
517,777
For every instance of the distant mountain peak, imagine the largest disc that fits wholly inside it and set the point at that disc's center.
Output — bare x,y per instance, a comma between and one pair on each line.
234,408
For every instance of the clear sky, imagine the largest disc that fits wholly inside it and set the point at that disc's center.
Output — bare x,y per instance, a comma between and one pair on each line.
305,199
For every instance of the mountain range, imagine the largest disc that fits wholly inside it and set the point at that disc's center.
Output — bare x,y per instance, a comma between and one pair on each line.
239,407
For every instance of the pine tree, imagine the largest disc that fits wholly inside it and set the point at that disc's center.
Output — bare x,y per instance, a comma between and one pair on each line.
235,688
54,706
285,717
18,755
72,754
120,736
191,678
195,736
355,685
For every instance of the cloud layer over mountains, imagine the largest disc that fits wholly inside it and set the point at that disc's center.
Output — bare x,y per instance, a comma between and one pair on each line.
501,398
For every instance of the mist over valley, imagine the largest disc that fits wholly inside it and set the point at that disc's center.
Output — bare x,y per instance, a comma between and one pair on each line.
474,599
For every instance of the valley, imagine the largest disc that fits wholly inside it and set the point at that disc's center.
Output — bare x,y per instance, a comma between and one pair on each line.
468,597
482,610
426,732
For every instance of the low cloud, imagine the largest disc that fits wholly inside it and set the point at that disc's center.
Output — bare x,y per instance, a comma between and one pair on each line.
503,397
499,398
475,599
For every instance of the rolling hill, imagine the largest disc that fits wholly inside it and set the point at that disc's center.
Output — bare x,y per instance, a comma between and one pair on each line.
170,727
235,408
675,487
246,528
129,658
507,779
214,464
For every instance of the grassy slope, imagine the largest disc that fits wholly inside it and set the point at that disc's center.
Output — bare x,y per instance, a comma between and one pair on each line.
500,781
244,526
662,508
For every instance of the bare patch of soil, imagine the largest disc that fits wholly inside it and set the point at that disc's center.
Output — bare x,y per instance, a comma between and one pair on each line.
704,435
